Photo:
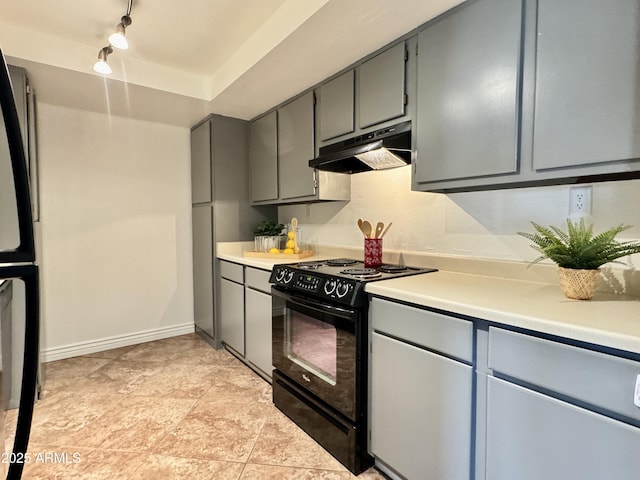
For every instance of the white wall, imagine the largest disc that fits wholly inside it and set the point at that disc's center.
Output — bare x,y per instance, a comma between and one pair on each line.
116,230
476,224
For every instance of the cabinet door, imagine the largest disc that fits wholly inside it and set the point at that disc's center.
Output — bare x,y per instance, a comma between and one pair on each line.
263,158
232,314
295,148
531,436
381,87
258,329
337,107
420,411
202,268
587,100
468,93
201,163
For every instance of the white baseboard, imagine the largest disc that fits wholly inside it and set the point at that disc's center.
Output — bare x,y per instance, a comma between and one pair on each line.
84,348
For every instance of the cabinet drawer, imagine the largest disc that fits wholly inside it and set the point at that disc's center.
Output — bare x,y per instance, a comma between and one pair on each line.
258,279
596,378
449,335
231,271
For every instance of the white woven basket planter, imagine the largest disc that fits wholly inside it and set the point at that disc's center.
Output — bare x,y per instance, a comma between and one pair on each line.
578,284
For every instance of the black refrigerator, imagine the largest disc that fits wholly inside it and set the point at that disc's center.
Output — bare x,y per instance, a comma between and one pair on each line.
17,269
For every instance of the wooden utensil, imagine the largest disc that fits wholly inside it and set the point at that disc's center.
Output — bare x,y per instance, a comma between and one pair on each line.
361,227
386,230
379,227
367,228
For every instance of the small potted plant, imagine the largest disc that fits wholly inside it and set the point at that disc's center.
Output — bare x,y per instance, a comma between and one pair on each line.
579,254
268,236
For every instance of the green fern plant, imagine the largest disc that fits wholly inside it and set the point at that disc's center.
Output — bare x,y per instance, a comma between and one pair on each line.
578,248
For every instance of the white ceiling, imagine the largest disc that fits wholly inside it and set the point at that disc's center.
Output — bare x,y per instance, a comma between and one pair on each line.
193,57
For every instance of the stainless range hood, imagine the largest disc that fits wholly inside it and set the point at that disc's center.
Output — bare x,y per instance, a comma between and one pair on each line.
385,148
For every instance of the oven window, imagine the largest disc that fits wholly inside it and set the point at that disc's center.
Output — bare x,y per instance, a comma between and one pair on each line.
312,344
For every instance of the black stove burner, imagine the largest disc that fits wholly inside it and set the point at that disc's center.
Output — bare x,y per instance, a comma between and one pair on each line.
340,262
393,268
361,272
310,265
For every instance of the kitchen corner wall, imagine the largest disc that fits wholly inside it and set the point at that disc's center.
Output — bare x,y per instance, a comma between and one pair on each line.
470,224
116,230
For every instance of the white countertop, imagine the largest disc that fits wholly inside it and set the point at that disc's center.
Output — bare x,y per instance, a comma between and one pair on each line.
234,252
609,319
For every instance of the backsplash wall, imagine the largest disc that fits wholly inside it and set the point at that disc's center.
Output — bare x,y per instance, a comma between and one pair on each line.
474,224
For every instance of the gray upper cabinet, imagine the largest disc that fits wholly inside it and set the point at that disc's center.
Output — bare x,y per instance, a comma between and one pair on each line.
263,158
201,164
514,93
295,148
381,87
587,108
468,93
336,112
282,143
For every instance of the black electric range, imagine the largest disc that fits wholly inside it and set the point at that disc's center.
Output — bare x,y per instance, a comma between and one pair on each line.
339,280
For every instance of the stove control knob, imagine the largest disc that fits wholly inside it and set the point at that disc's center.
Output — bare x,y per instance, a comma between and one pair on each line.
342,289
280,274
329,287
288,276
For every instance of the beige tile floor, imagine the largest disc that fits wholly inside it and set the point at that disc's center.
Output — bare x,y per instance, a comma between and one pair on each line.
169,409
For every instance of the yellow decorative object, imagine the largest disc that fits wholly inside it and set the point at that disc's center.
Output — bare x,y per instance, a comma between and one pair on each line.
288,251
291,235
290,244
274,250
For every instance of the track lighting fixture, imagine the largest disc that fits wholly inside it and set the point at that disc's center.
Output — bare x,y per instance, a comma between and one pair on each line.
101,66
117,39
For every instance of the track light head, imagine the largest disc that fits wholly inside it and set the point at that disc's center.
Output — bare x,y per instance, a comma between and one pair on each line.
101,66
117,38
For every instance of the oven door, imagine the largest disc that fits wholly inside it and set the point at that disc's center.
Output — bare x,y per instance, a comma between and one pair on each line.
315,345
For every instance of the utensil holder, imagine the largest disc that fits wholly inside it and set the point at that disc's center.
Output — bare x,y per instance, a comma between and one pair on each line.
372,252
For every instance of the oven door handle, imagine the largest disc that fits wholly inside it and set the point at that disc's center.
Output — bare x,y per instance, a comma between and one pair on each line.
317,305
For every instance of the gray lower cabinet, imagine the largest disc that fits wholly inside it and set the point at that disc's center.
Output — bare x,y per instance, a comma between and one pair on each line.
531,436
232,322
202,235
245,314
257,299
468,90
557,411
421,397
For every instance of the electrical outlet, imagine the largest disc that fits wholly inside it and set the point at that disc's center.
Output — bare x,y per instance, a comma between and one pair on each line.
579,201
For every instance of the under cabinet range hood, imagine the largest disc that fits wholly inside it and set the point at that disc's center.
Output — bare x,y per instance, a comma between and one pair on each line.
385,148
